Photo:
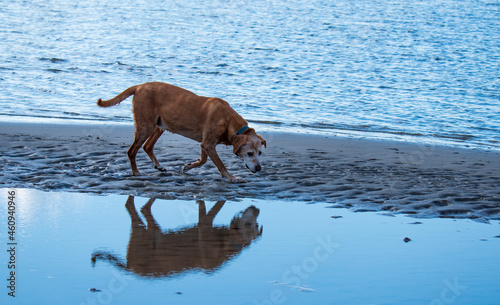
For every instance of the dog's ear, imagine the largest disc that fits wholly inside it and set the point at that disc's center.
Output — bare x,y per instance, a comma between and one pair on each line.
238,141
262,141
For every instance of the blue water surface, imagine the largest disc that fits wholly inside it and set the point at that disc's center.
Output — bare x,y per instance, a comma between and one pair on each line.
424,71
305,254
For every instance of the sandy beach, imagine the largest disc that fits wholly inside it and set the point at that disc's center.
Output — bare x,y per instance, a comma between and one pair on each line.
363,175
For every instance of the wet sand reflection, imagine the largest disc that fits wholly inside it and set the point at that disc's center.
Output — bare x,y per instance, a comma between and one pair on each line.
204,247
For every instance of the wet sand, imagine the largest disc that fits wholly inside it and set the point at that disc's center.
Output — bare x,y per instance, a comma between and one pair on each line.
363,175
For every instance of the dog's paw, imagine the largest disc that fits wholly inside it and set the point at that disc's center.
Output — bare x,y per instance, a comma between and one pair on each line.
161,168
184,169
237,180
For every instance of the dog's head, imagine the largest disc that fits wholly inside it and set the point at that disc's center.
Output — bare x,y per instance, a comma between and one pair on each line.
248,146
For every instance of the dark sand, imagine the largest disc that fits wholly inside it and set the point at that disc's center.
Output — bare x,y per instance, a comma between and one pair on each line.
424,180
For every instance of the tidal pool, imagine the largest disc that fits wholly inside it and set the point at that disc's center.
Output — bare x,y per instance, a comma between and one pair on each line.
80,249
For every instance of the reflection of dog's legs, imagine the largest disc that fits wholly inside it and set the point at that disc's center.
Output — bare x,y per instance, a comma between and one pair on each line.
206,219
136,219
149,145
205,227
202,160
153,227
215,210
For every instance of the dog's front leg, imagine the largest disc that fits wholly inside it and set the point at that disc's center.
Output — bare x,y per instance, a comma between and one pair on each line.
202,160
212,153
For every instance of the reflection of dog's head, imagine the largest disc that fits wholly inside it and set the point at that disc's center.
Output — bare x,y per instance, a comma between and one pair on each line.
245,223
248,146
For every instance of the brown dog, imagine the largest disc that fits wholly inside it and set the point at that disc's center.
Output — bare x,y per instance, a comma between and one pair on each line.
158,107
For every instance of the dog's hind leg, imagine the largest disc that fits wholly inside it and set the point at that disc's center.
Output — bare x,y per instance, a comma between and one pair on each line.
149,145
202,160
141,135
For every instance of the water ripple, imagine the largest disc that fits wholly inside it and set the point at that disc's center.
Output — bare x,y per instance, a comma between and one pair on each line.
423,69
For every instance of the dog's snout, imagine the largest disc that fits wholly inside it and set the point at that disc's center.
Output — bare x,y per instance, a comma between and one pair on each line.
258,167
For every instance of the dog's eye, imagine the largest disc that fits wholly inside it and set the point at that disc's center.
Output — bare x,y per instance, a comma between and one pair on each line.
250,153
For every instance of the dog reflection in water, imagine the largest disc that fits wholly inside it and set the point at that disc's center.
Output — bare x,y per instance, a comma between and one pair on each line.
203,247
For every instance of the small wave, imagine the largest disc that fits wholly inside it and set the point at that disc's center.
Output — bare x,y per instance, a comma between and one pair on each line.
54,70
367,129
58,117
264,49
216,73
275,123
53,60
461,137
209,72
118,63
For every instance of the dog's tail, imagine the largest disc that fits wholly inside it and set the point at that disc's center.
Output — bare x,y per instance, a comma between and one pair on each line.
105,256
117,99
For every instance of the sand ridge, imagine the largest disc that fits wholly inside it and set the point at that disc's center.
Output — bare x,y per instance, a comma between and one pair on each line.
421,180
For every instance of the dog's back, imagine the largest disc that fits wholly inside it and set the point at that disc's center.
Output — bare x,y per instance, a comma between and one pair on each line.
158,92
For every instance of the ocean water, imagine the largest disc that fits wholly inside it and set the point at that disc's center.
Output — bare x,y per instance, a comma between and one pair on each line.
423,71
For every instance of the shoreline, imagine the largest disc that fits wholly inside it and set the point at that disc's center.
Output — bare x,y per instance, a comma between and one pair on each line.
361,174
281,128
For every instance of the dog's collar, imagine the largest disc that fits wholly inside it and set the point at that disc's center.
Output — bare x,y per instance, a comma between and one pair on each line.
242,130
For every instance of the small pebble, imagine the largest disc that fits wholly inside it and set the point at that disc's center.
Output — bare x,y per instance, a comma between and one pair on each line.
407,239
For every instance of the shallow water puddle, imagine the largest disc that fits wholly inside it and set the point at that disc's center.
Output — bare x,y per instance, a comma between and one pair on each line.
83,249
